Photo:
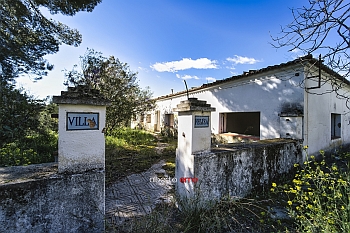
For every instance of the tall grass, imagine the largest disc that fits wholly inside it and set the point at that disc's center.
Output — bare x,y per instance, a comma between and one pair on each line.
127,136
129,151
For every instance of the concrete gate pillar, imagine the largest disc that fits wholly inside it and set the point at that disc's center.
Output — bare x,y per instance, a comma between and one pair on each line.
194,135
82,118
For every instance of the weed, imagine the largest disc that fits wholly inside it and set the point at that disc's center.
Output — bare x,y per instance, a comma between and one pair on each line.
132,136
318,197
132,151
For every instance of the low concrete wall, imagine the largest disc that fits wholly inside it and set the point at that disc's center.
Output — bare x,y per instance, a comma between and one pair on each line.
50,202
236,171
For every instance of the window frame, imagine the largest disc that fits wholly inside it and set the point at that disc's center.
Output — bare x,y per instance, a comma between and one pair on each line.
335,126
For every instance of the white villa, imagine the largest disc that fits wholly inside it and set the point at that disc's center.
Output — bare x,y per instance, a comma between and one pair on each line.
301,99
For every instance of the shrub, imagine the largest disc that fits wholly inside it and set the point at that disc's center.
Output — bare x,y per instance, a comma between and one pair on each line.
319,195
36,148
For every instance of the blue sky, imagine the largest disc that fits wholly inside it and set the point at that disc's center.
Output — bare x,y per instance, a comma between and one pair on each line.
166,41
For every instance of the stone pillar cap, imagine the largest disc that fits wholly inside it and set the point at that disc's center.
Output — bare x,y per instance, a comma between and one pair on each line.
81,95
193,104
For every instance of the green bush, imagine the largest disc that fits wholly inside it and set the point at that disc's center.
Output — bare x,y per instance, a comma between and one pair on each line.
36,148
11,155
319,195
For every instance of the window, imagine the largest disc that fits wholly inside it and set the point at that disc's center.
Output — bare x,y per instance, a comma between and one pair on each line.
148,118
246,123
335,126
169,120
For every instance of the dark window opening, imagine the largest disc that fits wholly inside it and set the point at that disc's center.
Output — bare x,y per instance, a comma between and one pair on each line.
169,120
335,126
246,123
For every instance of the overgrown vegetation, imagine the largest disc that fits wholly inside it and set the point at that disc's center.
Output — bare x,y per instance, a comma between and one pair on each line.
132,151
28,134
190,215
319,195
37,148
315,200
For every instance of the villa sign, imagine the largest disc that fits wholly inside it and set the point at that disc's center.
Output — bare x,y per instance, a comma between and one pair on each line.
201,121
82,121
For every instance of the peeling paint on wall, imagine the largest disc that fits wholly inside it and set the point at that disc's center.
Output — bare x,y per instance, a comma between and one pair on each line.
241,170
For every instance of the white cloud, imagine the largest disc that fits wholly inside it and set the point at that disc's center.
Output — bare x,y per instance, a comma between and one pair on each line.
184,64
242,60
296,50
142,69
297,53
230,67
186,76
210,79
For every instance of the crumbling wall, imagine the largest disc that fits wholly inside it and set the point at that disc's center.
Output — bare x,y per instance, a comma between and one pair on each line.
237,171
58,203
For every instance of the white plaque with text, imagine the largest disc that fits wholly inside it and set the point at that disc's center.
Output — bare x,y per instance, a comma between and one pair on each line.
82,121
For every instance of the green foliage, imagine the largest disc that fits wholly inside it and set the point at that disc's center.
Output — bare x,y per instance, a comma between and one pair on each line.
127,136
129,151
26,128
19,113
12,155
115,82
46,122
34,149
26,36
319,195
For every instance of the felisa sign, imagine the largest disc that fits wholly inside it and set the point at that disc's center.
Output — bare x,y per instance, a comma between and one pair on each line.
82,121
201,121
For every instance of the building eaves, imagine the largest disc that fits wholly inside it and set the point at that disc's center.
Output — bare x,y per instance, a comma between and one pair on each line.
301,60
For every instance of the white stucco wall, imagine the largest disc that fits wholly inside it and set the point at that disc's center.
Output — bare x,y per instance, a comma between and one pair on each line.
269,93
80,150
319,104
190,140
